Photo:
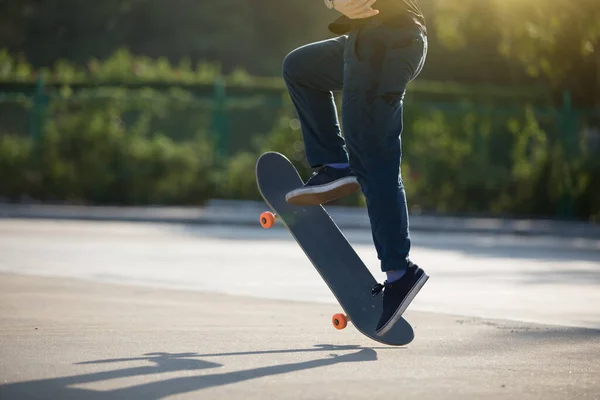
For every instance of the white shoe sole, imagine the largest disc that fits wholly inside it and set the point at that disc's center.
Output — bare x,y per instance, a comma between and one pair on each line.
315,195
404,305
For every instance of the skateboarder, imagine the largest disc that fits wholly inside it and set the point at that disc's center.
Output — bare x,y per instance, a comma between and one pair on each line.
379,51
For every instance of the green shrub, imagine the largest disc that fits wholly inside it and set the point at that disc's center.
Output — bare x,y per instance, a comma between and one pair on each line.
463,161
466,150
16,175
486,163
87,154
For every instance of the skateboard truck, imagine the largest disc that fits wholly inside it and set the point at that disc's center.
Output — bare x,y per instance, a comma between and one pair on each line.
345,274
267,220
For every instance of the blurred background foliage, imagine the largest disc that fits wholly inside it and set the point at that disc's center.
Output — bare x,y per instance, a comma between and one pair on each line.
161,102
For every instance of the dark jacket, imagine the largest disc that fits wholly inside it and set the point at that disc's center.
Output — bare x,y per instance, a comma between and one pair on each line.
397,11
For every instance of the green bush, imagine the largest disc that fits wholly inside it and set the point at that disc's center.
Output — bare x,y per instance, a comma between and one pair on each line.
463,161
88,154
107,145
454,161
16,175
126,67
486,163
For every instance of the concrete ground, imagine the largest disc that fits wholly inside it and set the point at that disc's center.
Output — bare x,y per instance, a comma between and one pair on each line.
71,339
112,310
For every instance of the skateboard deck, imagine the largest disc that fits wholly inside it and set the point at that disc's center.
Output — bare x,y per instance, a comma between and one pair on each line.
327,248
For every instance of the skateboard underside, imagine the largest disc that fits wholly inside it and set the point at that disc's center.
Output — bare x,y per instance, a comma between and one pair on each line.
327,248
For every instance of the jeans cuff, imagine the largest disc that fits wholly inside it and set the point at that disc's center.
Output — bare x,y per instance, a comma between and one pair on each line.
396,265
322,159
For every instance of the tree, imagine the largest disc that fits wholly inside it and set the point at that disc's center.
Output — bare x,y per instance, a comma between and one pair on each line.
554,40
252,34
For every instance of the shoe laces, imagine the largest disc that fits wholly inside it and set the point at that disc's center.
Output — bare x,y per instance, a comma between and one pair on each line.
323,168
378,288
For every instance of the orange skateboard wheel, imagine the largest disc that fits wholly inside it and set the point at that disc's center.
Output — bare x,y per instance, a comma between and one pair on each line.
340,321
267,219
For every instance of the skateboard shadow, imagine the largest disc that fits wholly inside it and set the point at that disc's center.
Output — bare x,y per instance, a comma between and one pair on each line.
56,388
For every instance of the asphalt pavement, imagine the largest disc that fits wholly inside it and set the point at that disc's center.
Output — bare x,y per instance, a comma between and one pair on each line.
150,310
68,339
246,213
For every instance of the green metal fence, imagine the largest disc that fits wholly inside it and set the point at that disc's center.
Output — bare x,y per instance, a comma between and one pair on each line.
231,116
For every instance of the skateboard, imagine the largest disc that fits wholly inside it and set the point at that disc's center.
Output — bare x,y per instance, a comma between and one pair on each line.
327,248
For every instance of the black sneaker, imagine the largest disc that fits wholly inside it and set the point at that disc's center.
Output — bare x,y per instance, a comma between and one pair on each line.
397,296
325,185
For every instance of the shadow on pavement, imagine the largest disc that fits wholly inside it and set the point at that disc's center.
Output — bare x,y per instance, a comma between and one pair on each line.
59,388
539,332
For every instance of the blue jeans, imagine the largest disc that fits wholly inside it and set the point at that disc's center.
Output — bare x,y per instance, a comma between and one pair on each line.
372,66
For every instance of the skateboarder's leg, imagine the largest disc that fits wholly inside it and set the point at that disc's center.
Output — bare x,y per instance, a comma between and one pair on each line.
380,62
311,73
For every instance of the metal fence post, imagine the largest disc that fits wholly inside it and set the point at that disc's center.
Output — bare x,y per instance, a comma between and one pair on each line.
38,109
569,141
219,121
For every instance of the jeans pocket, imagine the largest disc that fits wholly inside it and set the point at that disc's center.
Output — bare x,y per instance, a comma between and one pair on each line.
380,60
366,43
404,61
